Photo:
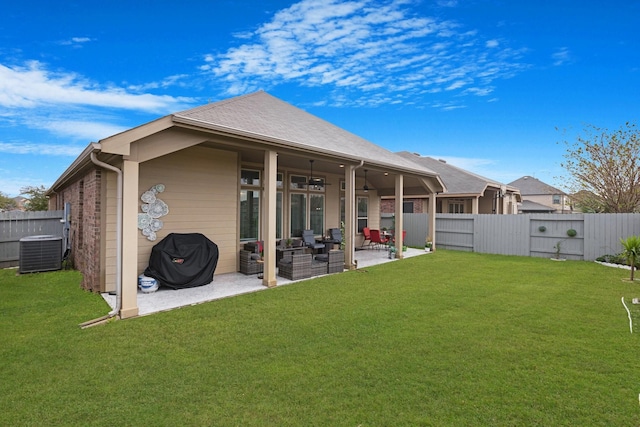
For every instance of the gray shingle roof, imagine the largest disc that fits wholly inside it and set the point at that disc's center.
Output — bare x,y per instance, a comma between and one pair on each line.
456,180
529,206
530,186
264,116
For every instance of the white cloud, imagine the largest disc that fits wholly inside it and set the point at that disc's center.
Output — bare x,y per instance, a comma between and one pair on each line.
33,85
39,149
77,129
75,41
492,43
561,56
371,49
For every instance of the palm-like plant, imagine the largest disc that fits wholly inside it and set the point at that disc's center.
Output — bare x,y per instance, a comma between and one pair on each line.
631,246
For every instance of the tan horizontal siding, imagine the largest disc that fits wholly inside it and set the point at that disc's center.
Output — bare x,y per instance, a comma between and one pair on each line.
201,191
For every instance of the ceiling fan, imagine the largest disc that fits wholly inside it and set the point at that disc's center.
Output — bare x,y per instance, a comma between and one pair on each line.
315,181
366,187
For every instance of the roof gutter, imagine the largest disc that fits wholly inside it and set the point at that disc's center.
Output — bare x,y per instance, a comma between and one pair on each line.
118,306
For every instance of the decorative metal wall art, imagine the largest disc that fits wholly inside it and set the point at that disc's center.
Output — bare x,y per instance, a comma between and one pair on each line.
152,208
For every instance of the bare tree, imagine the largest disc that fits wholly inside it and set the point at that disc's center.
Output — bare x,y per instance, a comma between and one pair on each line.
604,169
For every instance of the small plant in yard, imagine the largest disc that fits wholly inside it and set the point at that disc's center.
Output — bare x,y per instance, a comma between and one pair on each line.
428,244
557,248
631,246
617,259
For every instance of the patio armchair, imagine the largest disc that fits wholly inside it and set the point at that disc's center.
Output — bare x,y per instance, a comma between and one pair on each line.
335,235
249,262
250,256
377,240
366,233
309,240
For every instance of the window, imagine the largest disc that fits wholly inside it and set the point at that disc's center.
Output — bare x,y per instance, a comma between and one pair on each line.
250,205
249,214
556,199
363,213
407,207
306,205
298,213
456,206
316,213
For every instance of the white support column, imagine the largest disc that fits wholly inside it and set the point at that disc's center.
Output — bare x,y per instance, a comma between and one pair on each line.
269,217
349,216
130,198
475,205
398,214
432,218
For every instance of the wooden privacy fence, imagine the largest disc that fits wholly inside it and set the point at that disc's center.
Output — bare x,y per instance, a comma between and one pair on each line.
534,235
15,225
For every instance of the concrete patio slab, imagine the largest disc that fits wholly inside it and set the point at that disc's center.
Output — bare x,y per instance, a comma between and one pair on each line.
232,284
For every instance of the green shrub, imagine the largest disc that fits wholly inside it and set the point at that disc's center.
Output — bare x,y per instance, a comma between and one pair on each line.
616,259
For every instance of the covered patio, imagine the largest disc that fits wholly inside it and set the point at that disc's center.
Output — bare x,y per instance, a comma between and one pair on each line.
232,284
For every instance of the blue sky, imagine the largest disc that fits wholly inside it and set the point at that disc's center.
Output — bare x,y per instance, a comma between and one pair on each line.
484,84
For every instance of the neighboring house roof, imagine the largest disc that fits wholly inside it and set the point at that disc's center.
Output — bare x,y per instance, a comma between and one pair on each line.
457,180
529,206
530,186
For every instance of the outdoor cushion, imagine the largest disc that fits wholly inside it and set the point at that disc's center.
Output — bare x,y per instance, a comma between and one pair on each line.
322,257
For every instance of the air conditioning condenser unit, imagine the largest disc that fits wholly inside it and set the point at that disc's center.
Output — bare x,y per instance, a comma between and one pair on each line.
40,253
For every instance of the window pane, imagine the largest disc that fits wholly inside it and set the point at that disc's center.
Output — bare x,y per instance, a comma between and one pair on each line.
362,206
249,214
298,182
249,177
298,214
316,216
279,215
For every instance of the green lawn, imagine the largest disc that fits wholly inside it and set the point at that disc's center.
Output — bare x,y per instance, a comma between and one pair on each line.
447,339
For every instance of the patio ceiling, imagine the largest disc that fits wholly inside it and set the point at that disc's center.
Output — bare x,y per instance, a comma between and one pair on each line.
379,177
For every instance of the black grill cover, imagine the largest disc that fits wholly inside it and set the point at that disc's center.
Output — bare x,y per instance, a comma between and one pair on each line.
183,261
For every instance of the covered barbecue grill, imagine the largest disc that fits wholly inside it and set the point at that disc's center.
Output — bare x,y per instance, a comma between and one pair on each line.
183,261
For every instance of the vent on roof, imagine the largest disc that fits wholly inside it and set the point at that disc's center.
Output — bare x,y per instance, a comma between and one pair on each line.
442,160
40,253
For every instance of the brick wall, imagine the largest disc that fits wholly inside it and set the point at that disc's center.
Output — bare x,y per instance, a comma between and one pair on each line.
84,196
387,206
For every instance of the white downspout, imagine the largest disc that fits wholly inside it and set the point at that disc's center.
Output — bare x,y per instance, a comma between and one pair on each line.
116,309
